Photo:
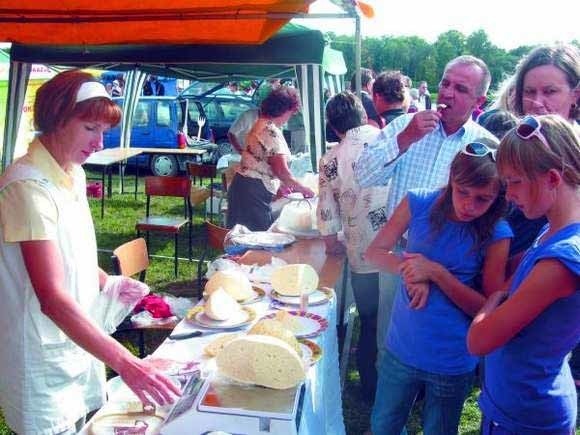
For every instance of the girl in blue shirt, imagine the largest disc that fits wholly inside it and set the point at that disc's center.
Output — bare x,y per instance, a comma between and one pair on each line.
528,387
453,233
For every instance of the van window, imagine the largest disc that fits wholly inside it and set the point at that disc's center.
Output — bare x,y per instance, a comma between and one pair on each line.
163,114
233,109
141,117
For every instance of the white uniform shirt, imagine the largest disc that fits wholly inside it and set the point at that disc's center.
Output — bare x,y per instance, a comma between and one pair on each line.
47,382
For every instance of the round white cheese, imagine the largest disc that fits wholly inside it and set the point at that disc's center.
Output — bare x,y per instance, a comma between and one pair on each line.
220,305
295,280
235,282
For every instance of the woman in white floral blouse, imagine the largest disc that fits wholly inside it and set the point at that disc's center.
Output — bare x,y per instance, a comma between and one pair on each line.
264,167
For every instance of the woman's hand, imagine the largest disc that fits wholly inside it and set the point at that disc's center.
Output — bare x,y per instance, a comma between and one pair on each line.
149,384
415,268
305,191
418,294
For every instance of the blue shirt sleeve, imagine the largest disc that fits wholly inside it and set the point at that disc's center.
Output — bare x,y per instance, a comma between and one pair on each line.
502,230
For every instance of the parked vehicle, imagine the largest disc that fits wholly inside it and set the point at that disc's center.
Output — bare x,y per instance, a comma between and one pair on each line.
159,122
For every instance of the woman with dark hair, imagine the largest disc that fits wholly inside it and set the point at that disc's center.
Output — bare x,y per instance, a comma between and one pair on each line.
264,167
51,363
453,234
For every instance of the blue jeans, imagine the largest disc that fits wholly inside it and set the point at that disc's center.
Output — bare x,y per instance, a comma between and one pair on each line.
396,392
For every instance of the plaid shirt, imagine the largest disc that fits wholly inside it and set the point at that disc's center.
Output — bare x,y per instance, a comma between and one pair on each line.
425,164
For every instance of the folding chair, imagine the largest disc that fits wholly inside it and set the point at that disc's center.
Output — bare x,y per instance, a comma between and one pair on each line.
178,187
129,259
215,236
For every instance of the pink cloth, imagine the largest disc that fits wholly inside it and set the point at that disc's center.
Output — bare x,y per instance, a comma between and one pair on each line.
158,308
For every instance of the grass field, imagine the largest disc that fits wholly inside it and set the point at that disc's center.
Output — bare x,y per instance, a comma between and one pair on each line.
118,226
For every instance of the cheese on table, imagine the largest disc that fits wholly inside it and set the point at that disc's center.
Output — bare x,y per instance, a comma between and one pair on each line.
261,360
235,282
295,280
220,305
274,328
217,345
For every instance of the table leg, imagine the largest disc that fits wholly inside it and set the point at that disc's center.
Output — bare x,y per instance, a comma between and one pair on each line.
110,186
136,175
103,191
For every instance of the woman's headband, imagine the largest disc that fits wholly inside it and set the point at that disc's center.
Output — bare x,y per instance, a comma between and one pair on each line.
90,90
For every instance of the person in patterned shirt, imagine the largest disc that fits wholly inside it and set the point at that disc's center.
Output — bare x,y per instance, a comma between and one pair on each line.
264,166
359,213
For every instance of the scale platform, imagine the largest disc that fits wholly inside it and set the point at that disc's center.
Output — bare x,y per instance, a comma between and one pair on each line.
215,404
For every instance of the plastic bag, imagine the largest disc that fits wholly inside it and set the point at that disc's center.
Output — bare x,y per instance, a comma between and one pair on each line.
221,264
116,300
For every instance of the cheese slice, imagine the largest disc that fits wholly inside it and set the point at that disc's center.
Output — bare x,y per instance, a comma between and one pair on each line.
274,328
217,345
295,280
261,360
220,305
235,282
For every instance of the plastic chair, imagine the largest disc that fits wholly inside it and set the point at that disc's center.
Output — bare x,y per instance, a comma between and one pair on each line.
129,259
198,172
215,236
178,187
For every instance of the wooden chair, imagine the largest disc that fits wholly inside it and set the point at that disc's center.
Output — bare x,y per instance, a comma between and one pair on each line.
129,259
198,172
215,236
169,187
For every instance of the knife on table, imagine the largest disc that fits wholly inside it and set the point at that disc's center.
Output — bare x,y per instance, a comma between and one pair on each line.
186,335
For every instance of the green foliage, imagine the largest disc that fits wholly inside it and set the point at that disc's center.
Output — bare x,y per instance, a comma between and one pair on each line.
421,60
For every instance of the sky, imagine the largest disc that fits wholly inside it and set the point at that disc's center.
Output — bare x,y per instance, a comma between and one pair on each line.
508,23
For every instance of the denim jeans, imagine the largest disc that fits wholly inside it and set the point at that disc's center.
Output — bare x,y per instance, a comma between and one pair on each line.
365,287
396,392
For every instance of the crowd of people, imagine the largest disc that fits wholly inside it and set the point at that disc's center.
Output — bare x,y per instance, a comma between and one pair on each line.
462,234
462,230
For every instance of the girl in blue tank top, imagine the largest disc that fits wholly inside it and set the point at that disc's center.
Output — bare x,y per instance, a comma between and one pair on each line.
527,333
452,234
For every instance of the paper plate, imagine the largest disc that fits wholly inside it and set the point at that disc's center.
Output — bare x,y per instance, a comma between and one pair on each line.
311,352
258,295
263,239
309,324
243,317
317,297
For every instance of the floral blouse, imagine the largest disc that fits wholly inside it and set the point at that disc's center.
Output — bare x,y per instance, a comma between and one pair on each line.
264,140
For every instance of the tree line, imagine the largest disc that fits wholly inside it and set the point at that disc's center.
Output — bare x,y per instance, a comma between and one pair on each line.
421,60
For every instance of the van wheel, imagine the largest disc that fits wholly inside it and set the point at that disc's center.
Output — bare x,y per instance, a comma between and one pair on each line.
164,165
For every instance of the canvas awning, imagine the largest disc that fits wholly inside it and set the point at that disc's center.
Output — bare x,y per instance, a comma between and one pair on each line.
295,51
89,22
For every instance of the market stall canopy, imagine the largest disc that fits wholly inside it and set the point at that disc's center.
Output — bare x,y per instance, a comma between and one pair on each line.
295,51
89,22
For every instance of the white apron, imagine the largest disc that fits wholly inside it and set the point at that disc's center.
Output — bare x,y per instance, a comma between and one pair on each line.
47,382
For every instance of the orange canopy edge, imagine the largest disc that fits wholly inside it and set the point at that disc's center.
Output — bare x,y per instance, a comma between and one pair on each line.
90,22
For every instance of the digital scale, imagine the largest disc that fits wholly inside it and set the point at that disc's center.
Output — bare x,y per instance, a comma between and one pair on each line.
214,404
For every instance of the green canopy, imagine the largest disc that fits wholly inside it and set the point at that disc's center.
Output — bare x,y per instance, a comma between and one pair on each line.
295,51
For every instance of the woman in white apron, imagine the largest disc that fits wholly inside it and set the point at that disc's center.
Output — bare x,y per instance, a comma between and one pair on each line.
52,349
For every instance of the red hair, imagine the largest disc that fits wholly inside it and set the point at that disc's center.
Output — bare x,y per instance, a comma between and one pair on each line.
55,103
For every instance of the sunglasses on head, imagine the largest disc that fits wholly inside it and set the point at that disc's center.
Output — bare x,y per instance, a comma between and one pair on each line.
531,127
478,149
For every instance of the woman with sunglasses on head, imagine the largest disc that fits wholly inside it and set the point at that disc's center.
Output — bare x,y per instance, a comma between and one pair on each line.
527,333
53,345
453,233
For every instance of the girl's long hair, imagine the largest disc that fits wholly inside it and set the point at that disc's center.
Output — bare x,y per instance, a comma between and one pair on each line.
471,171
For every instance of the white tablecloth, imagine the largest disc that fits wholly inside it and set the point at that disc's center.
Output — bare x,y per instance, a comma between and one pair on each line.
322,409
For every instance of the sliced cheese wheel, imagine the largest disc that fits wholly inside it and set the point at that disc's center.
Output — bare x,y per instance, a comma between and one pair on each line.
261,360
220,305
217,345
274,328
295,280
235,282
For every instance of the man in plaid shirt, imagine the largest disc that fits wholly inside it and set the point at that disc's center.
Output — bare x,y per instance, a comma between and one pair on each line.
416,150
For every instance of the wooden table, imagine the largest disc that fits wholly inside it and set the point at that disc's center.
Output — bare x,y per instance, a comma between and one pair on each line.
309,251
106,158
